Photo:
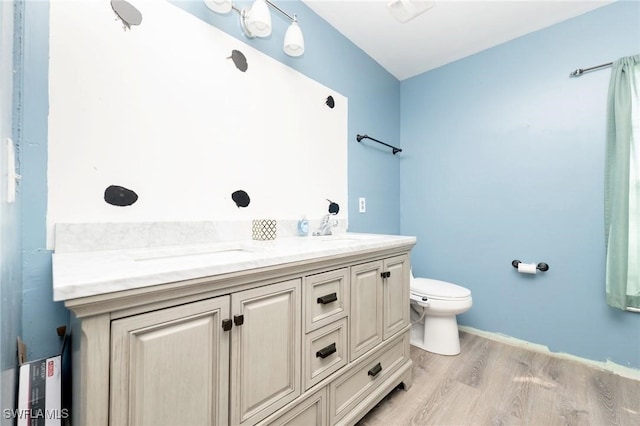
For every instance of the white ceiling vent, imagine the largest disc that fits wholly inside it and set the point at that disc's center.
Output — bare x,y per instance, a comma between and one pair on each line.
405,10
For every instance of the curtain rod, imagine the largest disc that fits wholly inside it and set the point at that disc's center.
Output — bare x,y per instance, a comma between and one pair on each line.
580,71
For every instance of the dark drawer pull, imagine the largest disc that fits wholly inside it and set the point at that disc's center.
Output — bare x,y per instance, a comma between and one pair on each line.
375,370
326,351
328,298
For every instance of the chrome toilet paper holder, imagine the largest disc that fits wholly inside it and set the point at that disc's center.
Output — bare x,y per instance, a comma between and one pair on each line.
540,266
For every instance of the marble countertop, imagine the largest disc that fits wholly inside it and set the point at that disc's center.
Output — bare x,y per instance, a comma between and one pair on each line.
82,274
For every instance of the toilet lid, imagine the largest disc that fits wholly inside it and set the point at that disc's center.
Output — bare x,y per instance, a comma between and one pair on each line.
438,289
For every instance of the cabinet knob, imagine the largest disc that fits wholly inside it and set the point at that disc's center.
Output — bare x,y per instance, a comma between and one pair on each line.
386,274
238,319
226,324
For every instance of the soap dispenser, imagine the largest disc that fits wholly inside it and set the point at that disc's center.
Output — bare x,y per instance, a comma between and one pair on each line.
303,226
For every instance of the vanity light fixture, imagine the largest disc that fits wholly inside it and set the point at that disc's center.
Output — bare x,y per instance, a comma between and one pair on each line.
293,39
256,22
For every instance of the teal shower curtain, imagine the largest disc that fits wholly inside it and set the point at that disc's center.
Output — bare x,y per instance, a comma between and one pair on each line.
622,185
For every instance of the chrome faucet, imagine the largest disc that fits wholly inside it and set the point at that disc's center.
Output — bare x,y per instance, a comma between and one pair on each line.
326,225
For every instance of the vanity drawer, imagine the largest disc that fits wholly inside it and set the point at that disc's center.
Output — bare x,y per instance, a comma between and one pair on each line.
325,298
348,390
325,351
310,411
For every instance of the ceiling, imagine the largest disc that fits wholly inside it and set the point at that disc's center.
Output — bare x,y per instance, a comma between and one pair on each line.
450,30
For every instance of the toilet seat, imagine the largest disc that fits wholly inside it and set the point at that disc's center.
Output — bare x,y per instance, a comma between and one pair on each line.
438,290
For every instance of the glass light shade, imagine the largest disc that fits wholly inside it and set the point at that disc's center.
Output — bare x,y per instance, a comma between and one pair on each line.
259,19
219,6
293,40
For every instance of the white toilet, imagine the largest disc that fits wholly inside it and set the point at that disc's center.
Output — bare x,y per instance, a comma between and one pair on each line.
434,306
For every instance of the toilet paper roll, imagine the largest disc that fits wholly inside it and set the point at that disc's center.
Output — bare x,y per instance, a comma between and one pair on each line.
527,268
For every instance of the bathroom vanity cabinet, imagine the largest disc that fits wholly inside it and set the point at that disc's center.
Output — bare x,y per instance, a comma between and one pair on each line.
184,364
317,341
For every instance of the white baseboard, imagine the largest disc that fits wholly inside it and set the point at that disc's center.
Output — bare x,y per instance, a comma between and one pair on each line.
612,367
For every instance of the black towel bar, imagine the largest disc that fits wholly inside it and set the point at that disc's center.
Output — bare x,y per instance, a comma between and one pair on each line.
394,149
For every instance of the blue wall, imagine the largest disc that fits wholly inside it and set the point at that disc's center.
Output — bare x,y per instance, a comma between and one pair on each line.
504,159
40,316
374,108
10,246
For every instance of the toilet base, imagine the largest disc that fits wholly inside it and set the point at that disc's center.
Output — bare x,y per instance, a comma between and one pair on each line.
438,334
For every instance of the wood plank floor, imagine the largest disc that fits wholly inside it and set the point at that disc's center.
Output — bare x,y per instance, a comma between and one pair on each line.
492,383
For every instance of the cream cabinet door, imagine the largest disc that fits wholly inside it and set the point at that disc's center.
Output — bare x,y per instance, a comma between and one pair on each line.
365,316
265,350
170,367
395,294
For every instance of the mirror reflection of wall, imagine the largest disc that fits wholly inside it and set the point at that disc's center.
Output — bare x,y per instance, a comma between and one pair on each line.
183,118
